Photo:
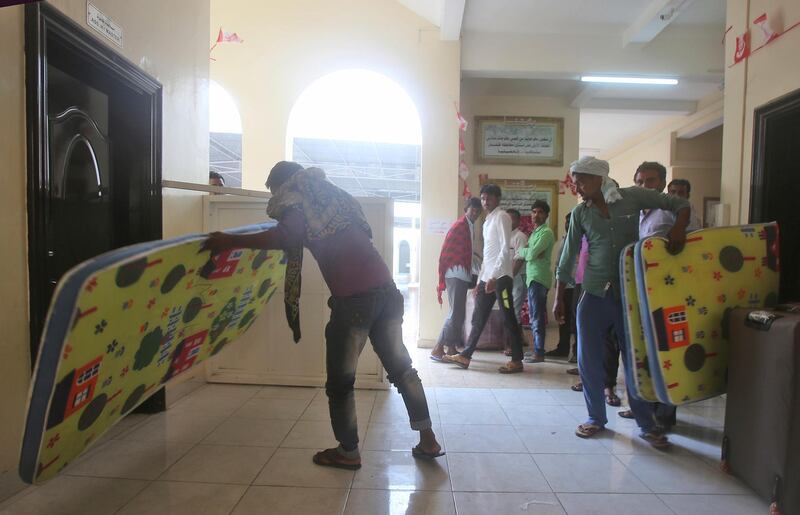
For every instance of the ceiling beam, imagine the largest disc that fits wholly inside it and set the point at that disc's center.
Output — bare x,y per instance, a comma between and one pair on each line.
584,95
451,20
698,56
655,18
641,104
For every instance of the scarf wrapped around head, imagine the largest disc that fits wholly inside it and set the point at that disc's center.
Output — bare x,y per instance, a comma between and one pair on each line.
327,209
592,166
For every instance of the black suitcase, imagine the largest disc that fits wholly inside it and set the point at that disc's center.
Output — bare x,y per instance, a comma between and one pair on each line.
761,445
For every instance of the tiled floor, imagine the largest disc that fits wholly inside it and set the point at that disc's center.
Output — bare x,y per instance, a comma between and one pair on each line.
509,440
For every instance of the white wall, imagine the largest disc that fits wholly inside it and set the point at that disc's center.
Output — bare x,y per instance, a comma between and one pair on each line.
290,44
177,55
483,105
766,75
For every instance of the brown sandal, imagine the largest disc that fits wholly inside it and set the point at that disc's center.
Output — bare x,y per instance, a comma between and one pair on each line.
577,387
612,399
333,458
657,440
588,430
512,367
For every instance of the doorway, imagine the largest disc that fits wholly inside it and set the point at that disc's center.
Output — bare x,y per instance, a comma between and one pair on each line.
94,155
774,186
363,129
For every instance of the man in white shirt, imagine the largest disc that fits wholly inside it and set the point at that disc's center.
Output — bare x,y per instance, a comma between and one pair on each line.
494,283
682,188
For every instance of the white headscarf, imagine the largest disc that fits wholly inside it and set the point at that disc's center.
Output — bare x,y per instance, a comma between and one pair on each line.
592,166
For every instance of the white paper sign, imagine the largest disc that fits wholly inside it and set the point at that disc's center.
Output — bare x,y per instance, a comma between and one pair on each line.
103,24
438,226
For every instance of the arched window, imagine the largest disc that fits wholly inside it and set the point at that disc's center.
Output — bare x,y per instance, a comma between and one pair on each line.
225,136
363,129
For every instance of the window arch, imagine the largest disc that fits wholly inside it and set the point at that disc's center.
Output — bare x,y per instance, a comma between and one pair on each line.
225,135
363,129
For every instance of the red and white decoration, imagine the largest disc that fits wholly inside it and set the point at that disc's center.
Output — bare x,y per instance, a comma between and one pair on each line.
224,37
463,169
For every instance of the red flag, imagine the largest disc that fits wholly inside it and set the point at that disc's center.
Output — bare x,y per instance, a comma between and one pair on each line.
462,123
227,37
463,170
466,193
567,185
742,47
763,23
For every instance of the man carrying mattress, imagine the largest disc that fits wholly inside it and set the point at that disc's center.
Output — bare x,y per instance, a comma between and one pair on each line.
609,218
314,213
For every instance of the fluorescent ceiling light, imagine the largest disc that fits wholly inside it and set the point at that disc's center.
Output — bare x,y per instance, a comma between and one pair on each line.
629,80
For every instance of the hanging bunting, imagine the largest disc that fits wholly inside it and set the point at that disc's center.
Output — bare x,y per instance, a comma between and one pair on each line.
567,185
462,123
462,149
465,192
766,30
463,170
224,37
742,47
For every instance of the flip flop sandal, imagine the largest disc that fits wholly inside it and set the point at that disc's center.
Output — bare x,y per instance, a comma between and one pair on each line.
420,454
613,400
332,458
588,430
573,372
657,440
578,387
437,359
626,414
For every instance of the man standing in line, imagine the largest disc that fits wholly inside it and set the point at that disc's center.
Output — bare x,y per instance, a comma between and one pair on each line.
655,222
566,330
682,188
455,276
608,217
314,213
494,283
537,255
518,240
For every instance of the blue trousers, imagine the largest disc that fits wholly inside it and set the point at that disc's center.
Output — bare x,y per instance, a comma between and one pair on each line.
537,306
596,316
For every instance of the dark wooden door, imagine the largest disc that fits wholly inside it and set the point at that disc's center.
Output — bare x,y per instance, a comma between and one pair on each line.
775,188
94,131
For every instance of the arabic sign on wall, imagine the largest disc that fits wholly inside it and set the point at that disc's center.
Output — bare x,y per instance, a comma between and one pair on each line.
520,140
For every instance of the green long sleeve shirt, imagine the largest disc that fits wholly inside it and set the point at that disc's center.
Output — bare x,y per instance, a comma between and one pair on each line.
537,256
608,236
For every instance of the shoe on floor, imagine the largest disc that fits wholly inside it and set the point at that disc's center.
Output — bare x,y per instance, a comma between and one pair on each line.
626,414
333,458
555,353
512,367
457,359
573,372
656,439
535,358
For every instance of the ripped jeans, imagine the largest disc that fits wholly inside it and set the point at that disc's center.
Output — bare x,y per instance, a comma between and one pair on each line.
377,314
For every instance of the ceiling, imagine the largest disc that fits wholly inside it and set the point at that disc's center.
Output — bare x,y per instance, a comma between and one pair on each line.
543,47
571,16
